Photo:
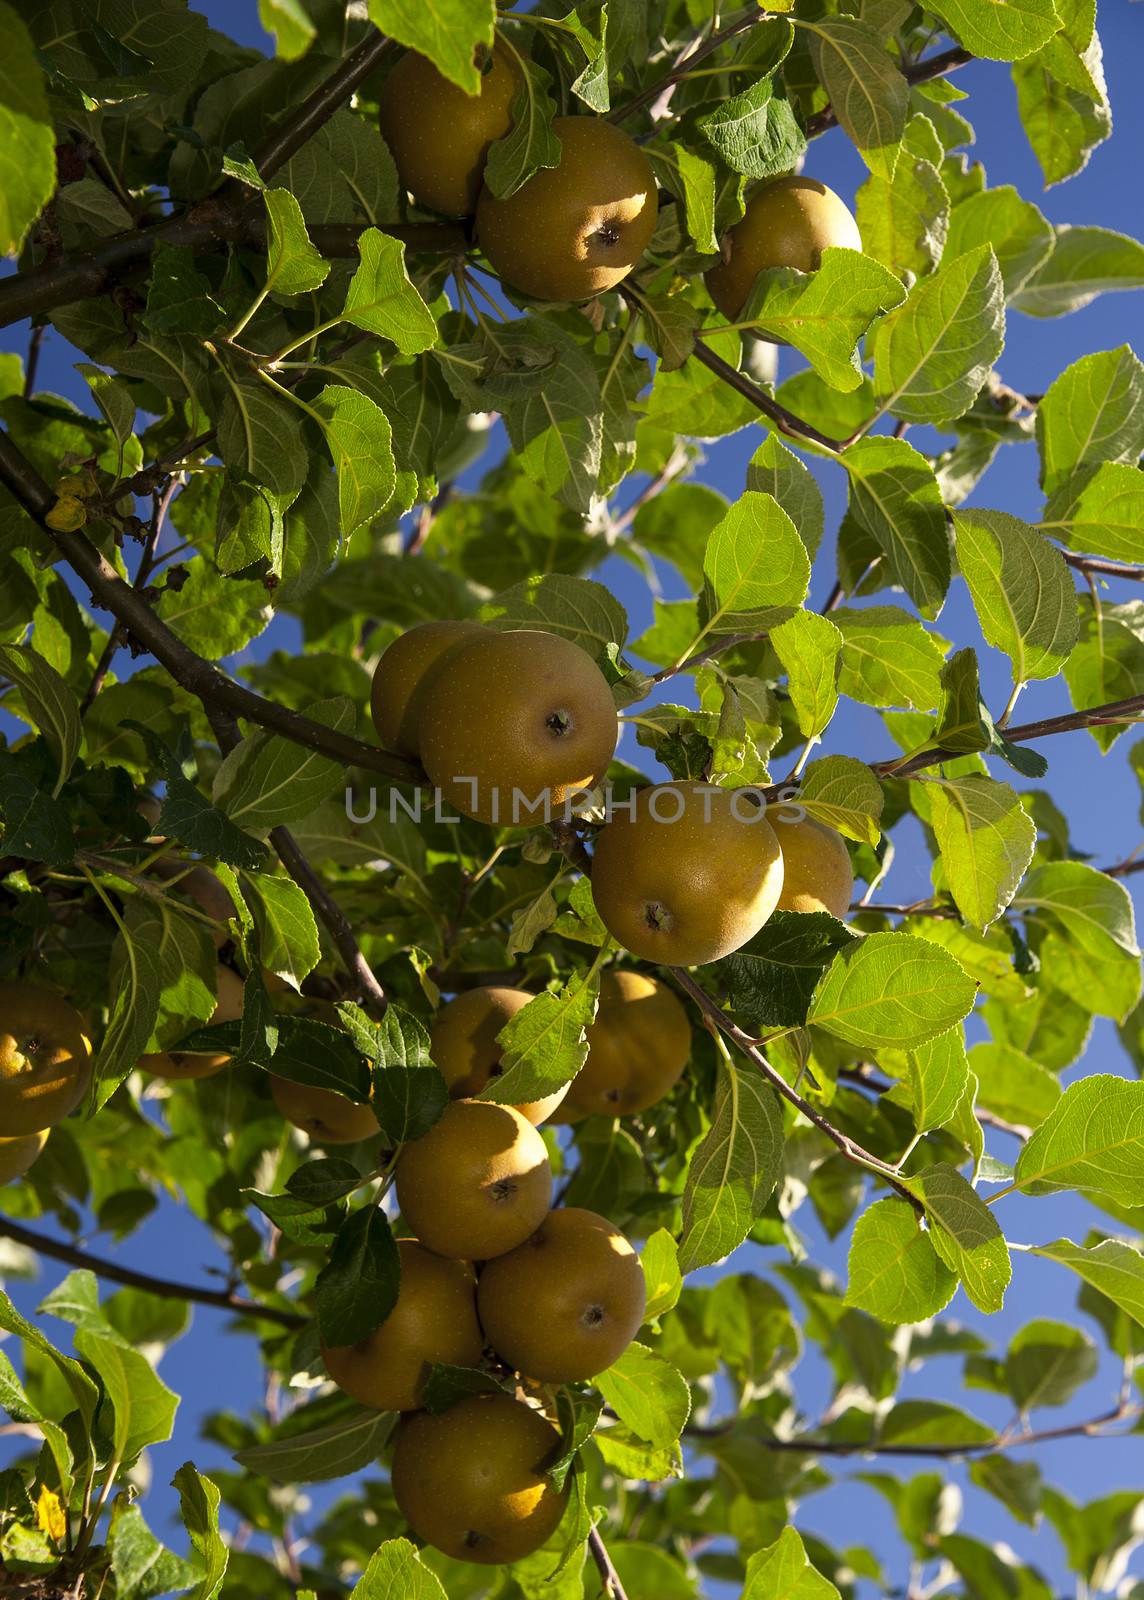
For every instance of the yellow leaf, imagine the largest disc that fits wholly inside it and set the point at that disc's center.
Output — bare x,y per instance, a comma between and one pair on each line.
67,514
50,1518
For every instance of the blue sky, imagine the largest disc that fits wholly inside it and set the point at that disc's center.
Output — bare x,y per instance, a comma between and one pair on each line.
1099,794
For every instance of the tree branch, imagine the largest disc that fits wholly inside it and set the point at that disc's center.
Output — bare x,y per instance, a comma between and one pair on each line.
322,903
609,1577
166,1288
849,1148
785,421
685,64
233,215
195,674
1116,711
1107,569
1094,1428
701,657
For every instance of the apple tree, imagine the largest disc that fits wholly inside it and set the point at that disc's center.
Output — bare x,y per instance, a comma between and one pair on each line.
433,318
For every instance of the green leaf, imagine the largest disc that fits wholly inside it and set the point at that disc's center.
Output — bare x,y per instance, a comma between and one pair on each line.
409,1094
142,1407
447,31
888,658
963,723
81,1386
1116,1270
293,265
198,1506
114,399
1084,262
1108,661
27,143
771,978
266,780
530,143
935,1078
576,608
809,647
1093,412
261,437
1014,1085
732,1172
1099,509
135,981
1021,589
663,1279
933,355
773,470
294,33
903,217
648,1394
357,1288
1061,94
783,1571
894,1271
142,1567
824,313
895,500
1021,236
1017,1484
395,1570
1092,1140
313,1053
690,177
1094,909
34,826
755,132
1000,30
287,933
383,301
845,795
965,1234
360,441
314,1455
188,816
891,989
179,298
986,839
1047,1363
544,1045
867,92
49,703
755,566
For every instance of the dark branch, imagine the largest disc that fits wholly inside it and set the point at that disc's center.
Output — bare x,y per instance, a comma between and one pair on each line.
684,65
166,1288
1106,569
322,903
1094,1428
743,1041
233,215
609,1577
1116,711
202,679
331,915
785,421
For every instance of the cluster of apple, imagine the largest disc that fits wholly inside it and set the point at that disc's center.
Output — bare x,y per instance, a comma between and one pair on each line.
558,1294
682,873
578,228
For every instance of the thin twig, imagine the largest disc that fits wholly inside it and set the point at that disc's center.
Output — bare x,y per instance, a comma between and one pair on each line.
1094,1428
785,421
684,64
199,677
609,1577
849,1147
166,1288
1107,569
701,657
322,902
118,636
35,342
